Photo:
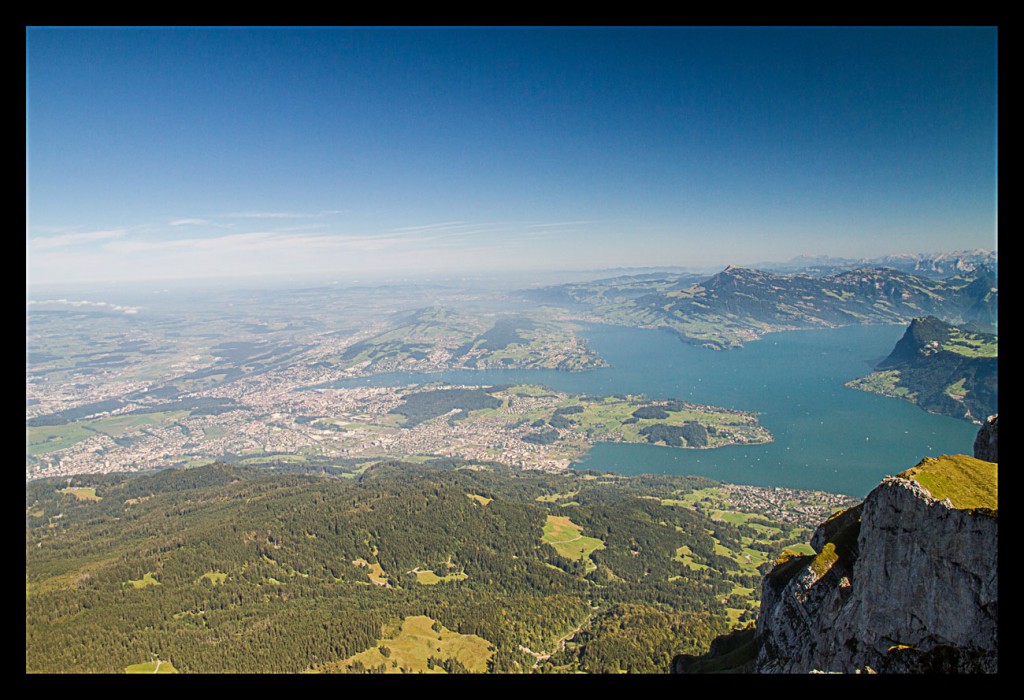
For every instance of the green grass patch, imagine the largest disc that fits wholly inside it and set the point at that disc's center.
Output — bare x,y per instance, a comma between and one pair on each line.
886,383
49,438
157,666
482,500
957,390
146,580
967,482
767,530
419,639
82,493
824,560
731,516
801,549
568,540
531,390
429,578
712,494
685,555
116,426
734,616
214,577
374,571
971,344
553,497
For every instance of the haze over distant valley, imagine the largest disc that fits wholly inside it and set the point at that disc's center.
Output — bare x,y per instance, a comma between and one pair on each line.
506,349
273,376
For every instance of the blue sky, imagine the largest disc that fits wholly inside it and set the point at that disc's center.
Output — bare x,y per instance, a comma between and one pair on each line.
181,153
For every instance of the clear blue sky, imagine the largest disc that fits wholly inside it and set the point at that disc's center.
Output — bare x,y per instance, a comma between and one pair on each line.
182,153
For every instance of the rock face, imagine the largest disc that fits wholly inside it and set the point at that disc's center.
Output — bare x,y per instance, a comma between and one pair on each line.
902,583
986,445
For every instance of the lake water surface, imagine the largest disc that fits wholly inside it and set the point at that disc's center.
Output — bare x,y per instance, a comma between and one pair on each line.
827,437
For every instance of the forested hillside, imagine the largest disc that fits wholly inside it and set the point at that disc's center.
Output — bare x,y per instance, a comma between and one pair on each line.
221,568
944,369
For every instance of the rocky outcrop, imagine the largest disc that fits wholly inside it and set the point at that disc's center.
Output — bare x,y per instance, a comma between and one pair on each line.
986,445
904,582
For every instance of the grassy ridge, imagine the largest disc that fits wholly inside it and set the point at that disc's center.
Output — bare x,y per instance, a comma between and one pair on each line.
967,482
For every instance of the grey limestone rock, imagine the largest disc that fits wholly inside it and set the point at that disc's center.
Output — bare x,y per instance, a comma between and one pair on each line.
918,592
986,444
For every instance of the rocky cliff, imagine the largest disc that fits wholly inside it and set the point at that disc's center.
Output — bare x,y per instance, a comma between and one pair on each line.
907,581
986,445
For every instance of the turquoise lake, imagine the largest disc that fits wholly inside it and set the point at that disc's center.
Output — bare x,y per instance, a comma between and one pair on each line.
827,436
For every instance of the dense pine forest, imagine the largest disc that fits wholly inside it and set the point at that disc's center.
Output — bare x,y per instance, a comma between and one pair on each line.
229,569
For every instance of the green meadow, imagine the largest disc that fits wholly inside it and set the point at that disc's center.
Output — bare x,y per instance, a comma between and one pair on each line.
156,666
419,640
568,540
82,493
116,426
146,580
49,438
429,578
375,572
967,482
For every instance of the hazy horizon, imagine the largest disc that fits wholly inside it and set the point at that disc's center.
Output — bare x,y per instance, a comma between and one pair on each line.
158,153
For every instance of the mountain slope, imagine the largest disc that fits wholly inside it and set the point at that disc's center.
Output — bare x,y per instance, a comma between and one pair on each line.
739,305
231,569
942,368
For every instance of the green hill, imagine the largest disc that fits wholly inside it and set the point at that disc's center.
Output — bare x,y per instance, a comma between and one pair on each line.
942,368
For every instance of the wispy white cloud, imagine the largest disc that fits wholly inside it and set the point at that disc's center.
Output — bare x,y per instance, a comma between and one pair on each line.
73,239
180,250
82,302
283,214
431,227
190,222
561,223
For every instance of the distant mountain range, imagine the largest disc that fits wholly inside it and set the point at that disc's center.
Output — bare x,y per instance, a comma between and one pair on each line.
921,264
738,304
942,368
